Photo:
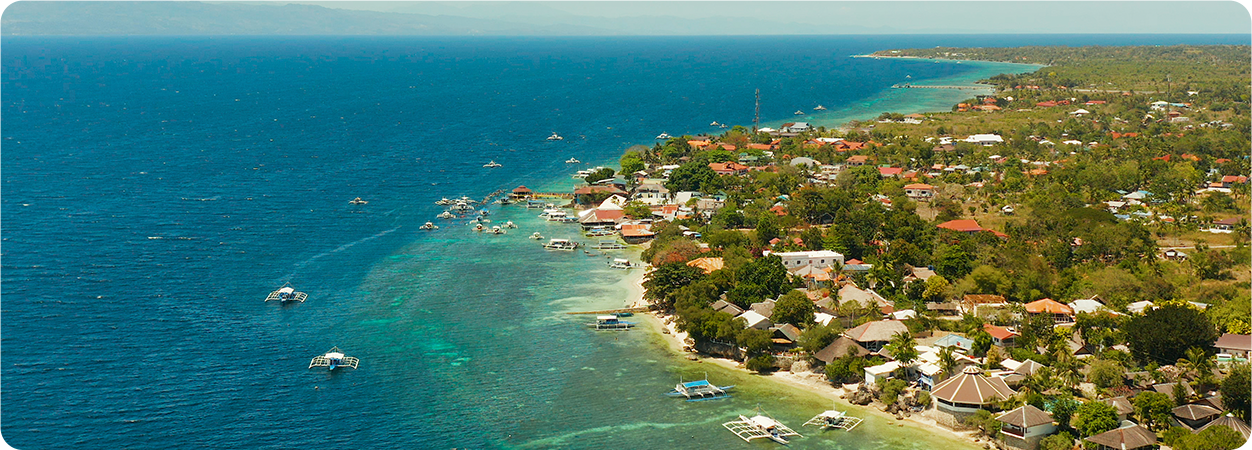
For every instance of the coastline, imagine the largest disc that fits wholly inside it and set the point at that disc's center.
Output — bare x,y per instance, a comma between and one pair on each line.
675,342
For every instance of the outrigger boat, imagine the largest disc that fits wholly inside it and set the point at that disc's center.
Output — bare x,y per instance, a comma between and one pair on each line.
572,161
510,224
287,294
479,227
760,426
597,232
834,419
608,245
493,164
561,244
696,391
429,226
555,137
819,108
446,215
462,206
357,201
496,230
619,263
662,136
334,359
536,236
444,202
610,323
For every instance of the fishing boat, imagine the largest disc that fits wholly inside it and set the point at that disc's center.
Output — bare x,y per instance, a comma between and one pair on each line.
536,236
610,323
286,293
696,391
608,245
462,206
799,113
444,202
510,224
561,244
334,359
714,124
429,226
662,136
563,219
572,161
479,227
535,204
552,214
446,215
496,230
597,232
760,426
619,263
819,108
723,126
493,164
555,137
357,201
834,419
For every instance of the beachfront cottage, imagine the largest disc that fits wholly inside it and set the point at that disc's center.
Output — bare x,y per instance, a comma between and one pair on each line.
963,395
819,259
636,233
1234,345
865,297
1195,416
1230,421
880,372
726,307
840,348
875,335
1133,437
1024,427
755,320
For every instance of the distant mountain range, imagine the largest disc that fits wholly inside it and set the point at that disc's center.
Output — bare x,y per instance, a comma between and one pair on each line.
398,18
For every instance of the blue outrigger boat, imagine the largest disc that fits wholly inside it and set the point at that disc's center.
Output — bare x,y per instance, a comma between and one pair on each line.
700,390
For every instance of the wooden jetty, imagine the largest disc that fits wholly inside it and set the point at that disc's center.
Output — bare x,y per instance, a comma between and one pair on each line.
963,88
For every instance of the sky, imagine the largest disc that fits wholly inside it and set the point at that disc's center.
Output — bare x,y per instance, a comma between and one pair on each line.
974,17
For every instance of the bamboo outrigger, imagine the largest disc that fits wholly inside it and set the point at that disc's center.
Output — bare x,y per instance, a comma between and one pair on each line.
760,426
834,419
287,294
699,390
333,359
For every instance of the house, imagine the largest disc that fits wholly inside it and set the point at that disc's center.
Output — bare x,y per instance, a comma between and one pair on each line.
963,395
893,172
1231,180
588,195
1087,306
755,320
728,168
520,192
1024,427
919,191
985,140
866,298
1168,389
652,194
818,259
971,302
1000,336
796,127
636,233
941,148
875,335
962,225
1195,416
604,216
881,372
708,265
944,309
960,343
785,334
858,160
803,161
1061,313
764,308
1228,420
1224,225
1132,437
1235,345
726,307
841,347
1123,406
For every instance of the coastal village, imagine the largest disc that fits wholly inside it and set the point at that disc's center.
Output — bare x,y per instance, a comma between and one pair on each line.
1062,264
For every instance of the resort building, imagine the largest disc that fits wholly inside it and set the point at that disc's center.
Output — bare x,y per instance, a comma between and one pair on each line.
1228,420
1024,427
880,372
1000,336
840,348
652,194
866,298
726,307
818,259
919,191
1132,437
1237,346
963,395
1195,416
875,335
755,320
973,302
708,265
985,140
1122,404
1060,312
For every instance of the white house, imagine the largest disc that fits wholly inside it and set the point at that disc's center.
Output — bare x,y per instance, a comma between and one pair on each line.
985,140
880,372
652,194
755,320
1024,427
818,259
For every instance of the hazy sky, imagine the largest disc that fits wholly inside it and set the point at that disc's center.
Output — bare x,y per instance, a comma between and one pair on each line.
889,16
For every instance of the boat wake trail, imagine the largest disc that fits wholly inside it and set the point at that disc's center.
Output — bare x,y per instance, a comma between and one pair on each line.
564,439
341,248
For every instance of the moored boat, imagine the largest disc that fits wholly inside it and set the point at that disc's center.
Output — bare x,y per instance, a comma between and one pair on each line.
834,419
760,426
334,358
555,137
610,323
286,293
700,390
493,164
619,263
663,136
572,161
799,113
510,224
561,244
357,201
536,236
819,108
446,215
429,226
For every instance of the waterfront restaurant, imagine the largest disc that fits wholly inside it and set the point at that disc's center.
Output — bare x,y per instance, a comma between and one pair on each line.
965,394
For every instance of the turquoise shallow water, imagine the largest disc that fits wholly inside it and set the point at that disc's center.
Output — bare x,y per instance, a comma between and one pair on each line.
156,189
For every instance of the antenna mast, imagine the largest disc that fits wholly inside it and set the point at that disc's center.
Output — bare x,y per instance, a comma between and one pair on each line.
756,121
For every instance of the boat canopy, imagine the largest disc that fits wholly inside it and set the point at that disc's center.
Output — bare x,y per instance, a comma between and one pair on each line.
334,355
603,318
692,384
286,290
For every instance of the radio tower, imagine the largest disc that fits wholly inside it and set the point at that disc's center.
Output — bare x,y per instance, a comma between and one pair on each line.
756,121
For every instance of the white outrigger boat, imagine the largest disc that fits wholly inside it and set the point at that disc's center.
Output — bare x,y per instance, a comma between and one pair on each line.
555,137
536,236
608,245
663,136
561,244
429,226
287,294
819,108
446,215
357,201
334,359
760,426
479,227
462,206
834,419
610,323
597,232
444,202
510,224
799,113
495,230
493,164
619,263
572,160
700,390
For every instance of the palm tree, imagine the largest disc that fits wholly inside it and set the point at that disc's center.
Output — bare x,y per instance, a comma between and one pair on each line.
903,348
947,362
1068,369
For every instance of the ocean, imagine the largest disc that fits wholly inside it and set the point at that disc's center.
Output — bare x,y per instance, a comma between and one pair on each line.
155,190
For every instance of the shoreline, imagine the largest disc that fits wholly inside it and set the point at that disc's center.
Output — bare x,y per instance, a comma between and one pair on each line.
675,341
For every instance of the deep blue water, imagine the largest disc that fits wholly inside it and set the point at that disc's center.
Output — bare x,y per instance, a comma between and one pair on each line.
156,189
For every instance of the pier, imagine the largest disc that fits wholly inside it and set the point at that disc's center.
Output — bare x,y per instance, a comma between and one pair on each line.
963,88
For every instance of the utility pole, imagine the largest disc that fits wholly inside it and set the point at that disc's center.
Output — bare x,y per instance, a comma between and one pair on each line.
756,121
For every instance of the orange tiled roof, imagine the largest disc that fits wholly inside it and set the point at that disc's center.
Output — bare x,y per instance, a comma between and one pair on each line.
1047,305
